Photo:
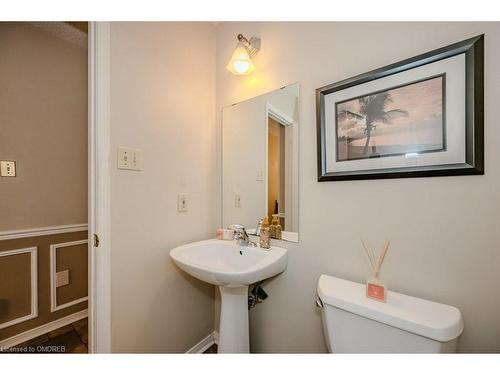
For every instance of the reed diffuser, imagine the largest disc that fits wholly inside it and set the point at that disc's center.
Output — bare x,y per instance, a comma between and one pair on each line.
374,287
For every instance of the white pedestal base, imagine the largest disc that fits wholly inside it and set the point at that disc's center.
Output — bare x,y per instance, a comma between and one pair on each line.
233,330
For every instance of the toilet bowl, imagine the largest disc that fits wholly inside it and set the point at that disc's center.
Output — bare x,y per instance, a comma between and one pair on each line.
353,323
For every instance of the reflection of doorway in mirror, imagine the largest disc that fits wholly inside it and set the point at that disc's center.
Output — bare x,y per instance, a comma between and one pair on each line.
276,170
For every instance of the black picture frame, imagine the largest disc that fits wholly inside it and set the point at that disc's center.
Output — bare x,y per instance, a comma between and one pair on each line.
473,49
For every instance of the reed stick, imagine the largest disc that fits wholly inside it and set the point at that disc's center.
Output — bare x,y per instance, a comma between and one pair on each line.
382,256
370,256
375,265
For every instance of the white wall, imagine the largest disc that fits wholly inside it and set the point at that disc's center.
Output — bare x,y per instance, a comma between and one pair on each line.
245,157
285,100
444,231
163,102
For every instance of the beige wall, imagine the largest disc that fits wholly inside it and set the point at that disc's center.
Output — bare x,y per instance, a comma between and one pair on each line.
15,286
73,258
43,127
444,231
163,102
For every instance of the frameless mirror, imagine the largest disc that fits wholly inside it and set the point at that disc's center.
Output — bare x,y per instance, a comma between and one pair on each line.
260,162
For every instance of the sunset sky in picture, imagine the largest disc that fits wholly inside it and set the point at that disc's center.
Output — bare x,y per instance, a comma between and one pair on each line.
424,103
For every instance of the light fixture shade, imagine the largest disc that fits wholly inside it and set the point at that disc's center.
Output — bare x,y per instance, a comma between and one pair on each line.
240,62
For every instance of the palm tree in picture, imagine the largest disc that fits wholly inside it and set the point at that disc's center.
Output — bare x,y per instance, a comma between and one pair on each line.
372,109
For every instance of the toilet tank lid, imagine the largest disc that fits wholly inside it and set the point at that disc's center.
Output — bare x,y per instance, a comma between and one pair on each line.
425,318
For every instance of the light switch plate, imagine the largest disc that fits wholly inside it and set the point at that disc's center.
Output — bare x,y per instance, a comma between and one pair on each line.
129,159
182,202
62,278
237,201
7,168
260,175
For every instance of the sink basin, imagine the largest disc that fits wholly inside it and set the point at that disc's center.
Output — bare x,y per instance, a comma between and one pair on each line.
232,268
225,263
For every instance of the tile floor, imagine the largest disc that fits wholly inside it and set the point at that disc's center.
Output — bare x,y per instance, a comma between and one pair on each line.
72,338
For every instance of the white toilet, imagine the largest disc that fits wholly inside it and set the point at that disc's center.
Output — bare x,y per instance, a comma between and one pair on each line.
353,323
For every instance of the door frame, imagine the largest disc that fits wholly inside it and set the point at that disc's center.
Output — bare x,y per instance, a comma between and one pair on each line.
99,208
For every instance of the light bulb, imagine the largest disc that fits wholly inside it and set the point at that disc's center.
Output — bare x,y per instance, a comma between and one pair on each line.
240,62
241,66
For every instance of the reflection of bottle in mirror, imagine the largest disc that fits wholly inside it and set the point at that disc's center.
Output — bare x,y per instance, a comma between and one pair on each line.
272,229
265,241
276,227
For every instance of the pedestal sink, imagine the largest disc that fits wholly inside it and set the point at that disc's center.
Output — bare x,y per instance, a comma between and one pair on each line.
232,268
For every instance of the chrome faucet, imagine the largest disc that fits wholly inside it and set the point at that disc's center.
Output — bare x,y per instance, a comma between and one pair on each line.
241,235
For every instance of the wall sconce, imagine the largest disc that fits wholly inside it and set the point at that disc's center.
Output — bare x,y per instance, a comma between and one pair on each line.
241,59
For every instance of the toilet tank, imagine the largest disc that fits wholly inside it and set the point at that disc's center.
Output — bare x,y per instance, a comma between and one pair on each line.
353,323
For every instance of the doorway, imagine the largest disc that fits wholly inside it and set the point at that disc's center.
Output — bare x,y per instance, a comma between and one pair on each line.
44,246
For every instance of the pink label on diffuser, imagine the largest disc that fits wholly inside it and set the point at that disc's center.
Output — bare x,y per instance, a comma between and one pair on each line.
375,291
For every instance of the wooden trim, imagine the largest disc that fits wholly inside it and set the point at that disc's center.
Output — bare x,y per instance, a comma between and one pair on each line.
279,116
99,188
53,263
41,330
34,285
43,231
204,344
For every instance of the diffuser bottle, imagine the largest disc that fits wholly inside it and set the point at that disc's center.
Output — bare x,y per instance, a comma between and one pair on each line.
276,227
376,289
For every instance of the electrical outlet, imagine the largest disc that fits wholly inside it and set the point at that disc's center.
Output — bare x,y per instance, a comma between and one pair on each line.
129,159
7,168
62,278
182,202
237,201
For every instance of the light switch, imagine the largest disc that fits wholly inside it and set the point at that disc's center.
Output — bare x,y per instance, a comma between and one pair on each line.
182,202
130,159
260,175
7,168
62,278
237,201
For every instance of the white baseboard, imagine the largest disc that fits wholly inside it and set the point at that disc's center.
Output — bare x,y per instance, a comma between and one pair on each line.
204,344
38,331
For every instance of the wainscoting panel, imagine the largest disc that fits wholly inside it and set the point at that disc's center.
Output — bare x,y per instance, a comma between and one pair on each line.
18,281
71,256
18,286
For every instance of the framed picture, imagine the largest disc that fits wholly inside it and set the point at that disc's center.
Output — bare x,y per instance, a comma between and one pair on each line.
416,118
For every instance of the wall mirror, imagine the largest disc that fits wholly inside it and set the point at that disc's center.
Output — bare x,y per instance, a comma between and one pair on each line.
260,162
